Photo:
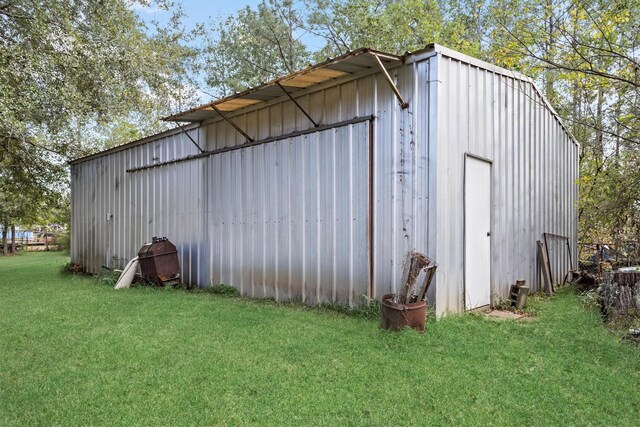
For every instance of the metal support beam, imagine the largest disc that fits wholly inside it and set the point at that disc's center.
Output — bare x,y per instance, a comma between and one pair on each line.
255,143
189,136
298,105
235,126
403,103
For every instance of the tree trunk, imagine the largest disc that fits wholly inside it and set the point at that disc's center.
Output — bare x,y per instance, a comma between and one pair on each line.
619,296
5,248
618,127
599,124
549,54
13,239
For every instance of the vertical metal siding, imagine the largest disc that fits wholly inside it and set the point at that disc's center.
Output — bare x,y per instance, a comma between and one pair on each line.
400,158
164,202
289,219
534,176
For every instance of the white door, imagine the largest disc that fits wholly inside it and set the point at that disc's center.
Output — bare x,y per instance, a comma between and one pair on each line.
477,233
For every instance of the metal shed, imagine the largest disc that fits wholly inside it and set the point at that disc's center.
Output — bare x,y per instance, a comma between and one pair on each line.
315,185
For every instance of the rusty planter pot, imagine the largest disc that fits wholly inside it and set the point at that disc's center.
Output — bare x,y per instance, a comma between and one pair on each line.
398,316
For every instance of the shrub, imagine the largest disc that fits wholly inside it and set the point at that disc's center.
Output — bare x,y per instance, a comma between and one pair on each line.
72,268
63,241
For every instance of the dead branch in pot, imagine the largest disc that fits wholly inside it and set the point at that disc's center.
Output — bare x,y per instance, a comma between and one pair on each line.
413,264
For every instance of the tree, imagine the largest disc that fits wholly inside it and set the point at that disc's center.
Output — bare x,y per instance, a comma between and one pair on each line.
255,46
66,68
27,187
393,26
586,53
398,26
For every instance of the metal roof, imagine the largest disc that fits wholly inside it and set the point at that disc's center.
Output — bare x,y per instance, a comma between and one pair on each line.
333,68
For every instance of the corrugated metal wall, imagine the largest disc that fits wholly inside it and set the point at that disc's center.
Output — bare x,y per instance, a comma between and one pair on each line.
206,206
166,202
534,176
290,219
401,155
237,217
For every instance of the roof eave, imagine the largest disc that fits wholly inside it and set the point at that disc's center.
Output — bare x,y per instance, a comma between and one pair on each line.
181,116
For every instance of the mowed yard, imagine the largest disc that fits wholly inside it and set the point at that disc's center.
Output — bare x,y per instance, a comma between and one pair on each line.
76,352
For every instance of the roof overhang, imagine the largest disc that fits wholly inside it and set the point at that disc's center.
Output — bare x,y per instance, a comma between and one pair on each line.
331,69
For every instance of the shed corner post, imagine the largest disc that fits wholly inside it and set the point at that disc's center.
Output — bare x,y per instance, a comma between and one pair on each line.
436,292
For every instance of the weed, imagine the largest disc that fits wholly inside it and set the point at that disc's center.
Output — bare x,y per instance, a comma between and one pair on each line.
618,323
590,300
503,304
107,277
185,286
63,241
369,310
72,268
143,283
529,309
431,313
220,289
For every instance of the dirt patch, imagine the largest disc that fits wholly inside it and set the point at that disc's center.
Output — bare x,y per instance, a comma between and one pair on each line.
507,315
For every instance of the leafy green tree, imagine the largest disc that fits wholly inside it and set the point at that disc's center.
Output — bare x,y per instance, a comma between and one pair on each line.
255,46
586,55
397,26
392,26
68,67
31,180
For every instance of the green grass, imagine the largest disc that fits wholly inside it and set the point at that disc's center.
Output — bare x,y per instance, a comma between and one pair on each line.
73,351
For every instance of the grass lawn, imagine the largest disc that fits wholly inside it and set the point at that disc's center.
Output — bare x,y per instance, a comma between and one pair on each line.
73,351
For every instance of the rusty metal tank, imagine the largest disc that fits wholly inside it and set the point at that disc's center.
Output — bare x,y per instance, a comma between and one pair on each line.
159,262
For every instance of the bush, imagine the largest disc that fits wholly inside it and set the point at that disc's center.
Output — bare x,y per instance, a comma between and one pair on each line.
63,241
72,268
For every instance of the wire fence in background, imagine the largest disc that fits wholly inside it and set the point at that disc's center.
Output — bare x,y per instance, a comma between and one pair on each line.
597,258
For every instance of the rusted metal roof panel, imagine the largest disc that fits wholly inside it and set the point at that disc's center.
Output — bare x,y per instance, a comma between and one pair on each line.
331,69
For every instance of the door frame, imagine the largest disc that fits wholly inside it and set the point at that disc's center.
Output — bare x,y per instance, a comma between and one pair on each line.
371,226
468,155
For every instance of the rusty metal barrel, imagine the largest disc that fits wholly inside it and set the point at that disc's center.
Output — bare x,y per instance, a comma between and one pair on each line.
159,262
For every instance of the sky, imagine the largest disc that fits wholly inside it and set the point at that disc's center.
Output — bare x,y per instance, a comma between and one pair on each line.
198,10
206,11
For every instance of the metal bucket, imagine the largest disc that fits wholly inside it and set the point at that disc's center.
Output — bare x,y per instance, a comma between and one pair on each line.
398,316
